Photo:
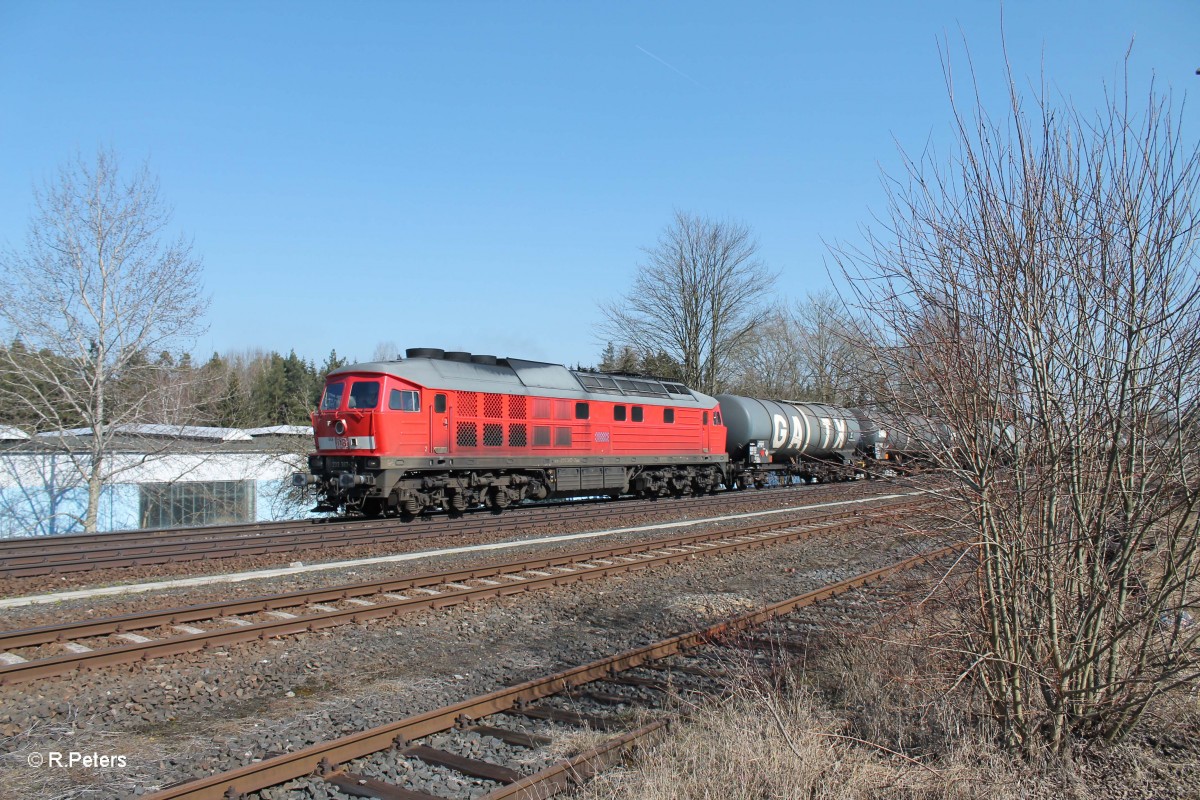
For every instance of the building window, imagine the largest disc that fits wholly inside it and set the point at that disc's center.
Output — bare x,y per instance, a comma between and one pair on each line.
403,400
174,505
618,413
637,413
668,415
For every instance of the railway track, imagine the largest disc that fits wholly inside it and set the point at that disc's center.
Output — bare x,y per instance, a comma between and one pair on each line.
24,558
46,651
640,683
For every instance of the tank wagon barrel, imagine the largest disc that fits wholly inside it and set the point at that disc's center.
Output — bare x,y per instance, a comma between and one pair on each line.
813,441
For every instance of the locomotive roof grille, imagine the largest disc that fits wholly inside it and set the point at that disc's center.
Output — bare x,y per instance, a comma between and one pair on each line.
643,387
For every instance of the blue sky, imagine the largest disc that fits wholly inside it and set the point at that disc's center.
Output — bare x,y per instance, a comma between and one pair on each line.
479,175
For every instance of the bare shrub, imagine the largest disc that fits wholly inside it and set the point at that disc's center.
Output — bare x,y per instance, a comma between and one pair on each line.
1038,294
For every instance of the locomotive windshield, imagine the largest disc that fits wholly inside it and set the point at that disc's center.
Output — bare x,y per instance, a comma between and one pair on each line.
364,394
333,396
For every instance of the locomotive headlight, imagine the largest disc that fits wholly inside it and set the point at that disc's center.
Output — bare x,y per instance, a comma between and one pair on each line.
339,427
882,433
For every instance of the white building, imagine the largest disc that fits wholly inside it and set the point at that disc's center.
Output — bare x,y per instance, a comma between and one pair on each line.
161,476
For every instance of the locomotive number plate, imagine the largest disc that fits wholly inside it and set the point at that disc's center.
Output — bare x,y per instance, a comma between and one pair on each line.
343,443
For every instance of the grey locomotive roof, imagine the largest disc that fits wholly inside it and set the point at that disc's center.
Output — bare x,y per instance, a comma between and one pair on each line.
516,376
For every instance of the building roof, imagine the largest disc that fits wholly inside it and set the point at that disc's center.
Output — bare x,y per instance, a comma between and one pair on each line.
281,430
10,434
158,431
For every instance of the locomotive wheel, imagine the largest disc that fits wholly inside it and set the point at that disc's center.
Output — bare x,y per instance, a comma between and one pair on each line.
498,499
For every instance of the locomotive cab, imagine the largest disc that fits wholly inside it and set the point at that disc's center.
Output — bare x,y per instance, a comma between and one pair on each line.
362,414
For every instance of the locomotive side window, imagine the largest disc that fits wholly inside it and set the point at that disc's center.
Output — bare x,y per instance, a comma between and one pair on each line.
364,394
333,396
704,420
439,404
581,411
637,413
403,400
716,418
618,413
668,415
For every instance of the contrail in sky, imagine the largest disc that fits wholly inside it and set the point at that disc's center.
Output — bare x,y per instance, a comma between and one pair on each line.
670,67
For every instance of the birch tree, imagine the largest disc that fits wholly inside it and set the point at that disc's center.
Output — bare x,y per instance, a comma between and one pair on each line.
96,290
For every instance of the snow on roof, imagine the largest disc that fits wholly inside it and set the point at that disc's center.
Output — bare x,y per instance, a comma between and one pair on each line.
10,434
163,431
281,430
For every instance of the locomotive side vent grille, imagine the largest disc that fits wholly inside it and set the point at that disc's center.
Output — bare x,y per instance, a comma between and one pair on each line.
541,409
541,435
467,435
493,435
562,409
516,435
467,404
562,437
516,406
493,407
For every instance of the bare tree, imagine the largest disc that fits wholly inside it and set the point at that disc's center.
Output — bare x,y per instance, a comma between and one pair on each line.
95,293
386,351
697,298
812,350
769,364
1039,295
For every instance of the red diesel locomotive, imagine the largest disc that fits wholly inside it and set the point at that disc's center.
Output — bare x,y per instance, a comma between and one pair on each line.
452,430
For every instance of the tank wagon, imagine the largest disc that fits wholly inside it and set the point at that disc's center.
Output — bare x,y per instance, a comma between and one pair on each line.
453,430
811,441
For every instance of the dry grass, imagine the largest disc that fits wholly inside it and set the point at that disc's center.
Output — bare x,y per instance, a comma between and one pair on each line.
874,717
